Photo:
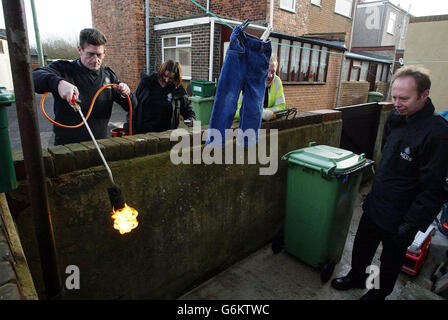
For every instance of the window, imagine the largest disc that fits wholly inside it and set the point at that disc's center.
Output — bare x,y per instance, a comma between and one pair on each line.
385,73
284,60
178,48
301,62
391,24
364,70
289,5
379,72
344,7
316,2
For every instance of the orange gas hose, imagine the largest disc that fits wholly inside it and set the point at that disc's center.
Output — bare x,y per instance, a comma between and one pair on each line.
88,113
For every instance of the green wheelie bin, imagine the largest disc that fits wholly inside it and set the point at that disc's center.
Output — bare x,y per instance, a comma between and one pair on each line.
322,186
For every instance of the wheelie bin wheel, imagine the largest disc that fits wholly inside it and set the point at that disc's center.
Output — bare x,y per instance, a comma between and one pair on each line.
326,272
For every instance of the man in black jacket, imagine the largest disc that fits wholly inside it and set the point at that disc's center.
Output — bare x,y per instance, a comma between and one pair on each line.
82,78
409,187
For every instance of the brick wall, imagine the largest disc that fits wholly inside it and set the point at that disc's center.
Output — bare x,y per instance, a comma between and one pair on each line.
240,9
297,23
353,92
315,96
123,23
324,20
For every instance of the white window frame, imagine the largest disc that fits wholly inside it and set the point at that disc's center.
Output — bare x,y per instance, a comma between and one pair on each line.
317,2
177,46
284,7
391,23
338,10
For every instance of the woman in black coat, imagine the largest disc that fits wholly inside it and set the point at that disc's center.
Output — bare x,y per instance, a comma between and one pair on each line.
161,98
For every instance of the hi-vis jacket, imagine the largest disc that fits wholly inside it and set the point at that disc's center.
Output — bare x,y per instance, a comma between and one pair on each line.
276,98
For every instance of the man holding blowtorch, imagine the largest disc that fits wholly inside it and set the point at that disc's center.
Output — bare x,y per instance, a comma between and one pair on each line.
82,78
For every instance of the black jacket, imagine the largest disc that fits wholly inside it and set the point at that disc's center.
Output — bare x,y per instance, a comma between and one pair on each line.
88,83
410,182
158,108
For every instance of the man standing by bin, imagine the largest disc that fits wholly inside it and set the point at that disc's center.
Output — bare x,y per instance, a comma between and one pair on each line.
409,187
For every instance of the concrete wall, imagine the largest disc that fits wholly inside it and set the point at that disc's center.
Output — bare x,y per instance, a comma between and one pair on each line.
427,51
194,220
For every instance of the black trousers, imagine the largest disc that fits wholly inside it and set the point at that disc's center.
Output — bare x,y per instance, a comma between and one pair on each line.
367,239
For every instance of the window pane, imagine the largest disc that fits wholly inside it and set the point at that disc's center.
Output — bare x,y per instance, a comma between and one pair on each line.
391,24
284,58
314,63
354,75
305,62
344,7
288,4
183,41
169,42
295,61
169,54
345,70
378,72
183,55
385,72
364,69
323,65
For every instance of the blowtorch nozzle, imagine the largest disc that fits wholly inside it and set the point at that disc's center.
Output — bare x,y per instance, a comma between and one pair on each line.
115,196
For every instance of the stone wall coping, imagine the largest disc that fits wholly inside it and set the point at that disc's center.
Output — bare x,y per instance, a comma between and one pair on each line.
63,159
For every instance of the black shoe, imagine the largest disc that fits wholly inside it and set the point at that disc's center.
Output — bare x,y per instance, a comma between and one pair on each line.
346,283
373,295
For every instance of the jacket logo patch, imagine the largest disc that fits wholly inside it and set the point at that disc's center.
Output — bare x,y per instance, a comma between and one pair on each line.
406,154
170,97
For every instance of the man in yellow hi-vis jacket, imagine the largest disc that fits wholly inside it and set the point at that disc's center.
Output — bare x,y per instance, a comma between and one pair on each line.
274,99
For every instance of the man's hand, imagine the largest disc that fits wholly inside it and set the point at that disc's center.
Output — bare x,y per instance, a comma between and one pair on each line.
66,90
123,89
405,235
267,115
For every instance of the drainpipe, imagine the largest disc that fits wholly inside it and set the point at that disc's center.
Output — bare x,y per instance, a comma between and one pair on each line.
40,53
353,25
271,15
340,79
212,40
208,5
14,13
147,35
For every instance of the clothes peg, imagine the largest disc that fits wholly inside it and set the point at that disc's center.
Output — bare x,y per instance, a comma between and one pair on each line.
245,24
266,33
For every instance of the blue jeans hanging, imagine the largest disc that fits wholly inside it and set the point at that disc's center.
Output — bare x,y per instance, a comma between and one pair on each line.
245,68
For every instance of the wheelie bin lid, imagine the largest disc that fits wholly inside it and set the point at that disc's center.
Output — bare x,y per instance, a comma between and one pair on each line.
325,158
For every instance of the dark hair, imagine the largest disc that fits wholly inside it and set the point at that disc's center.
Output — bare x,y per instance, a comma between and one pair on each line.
420,75
172,67
91,36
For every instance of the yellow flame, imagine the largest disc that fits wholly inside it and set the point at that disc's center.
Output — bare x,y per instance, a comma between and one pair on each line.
125,219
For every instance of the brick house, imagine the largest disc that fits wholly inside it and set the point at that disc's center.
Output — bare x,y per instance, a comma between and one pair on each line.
181,30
